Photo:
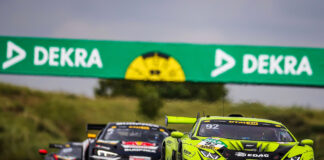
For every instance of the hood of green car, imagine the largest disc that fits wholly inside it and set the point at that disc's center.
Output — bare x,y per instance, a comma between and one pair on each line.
240,145
235,149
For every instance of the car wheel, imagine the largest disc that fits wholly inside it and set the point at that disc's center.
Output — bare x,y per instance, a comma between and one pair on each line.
163,152
174,155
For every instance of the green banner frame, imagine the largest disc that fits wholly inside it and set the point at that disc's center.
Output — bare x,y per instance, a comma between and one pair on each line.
172,62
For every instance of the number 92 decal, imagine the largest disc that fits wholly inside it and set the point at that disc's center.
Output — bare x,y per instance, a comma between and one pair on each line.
212,126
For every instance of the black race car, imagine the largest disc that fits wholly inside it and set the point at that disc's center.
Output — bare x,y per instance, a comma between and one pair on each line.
126,140
68,151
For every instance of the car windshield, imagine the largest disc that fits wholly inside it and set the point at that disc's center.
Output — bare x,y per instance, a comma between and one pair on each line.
245,132
130,134
71,151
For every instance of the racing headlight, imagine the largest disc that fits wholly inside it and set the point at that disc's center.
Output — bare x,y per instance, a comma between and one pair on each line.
106,153
65,157
209,155
294,158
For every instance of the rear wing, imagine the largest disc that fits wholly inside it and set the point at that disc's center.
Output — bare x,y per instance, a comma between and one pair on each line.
179,120
95,126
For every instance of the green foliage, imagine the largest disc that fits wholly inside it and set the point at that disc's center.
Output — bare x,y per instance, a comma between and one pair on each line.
187,91
30,120
301,127
116,88
149,101
150,93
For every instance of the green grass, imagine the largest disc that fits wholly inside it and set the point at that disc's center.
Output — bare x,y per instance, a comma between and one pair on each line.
31,119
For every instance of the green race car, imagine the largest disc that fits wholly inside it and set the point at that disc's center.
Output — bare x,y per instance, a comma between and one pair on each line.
234,138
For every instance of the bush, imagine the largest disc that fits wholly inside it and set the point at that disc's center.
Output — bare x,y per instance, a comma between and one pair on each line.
149,94
168,90
149,102
294,121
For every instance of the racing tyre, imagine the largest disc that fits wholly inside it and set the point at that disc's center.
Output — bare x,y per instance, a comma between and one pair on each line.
163,152
174,155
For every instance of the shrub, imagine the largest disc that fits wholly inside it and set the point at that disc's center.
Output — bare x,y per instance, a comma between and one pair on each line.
149,102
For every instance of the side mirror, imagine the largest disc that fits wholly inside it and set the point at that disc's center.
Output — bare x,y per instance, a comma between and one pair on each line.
42,151
307,142
177,134
92,136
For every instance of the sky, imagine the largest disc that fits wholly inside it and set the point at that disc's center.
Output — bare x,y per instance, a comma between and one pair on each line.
245,22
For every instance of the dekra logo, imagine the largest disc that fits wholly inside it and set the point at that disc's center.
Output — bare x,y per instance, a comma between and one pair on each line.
11,59
263,64
54,56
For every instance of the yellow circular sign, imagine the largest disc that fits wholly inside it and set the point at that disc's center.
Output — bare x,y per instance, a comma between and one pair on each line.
155,66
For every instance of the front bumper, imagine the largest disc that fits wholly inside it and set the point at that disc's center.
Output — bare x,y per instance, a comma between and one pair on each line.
94,157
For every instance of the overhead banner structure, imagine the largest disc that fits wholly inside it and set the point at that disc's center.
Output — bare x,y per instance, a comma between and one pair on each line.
176,62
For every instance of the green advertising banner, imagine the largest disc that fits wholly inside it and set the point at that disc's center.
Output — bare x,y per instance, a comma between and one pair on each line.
162,61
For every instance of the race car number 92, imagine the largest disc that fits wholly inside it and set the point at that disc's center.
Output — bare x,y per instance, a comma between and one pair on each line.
212,126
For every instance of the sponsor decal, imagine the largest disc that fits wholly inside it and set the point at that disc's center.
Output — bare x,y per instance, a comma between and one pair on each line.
102,147
11,59
61,56
263,64
240,154
252,155
209,155
162,61
212,126
211,143
140,127
138,143
138,146
245,122
54,56
220,57
270,64
250,145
